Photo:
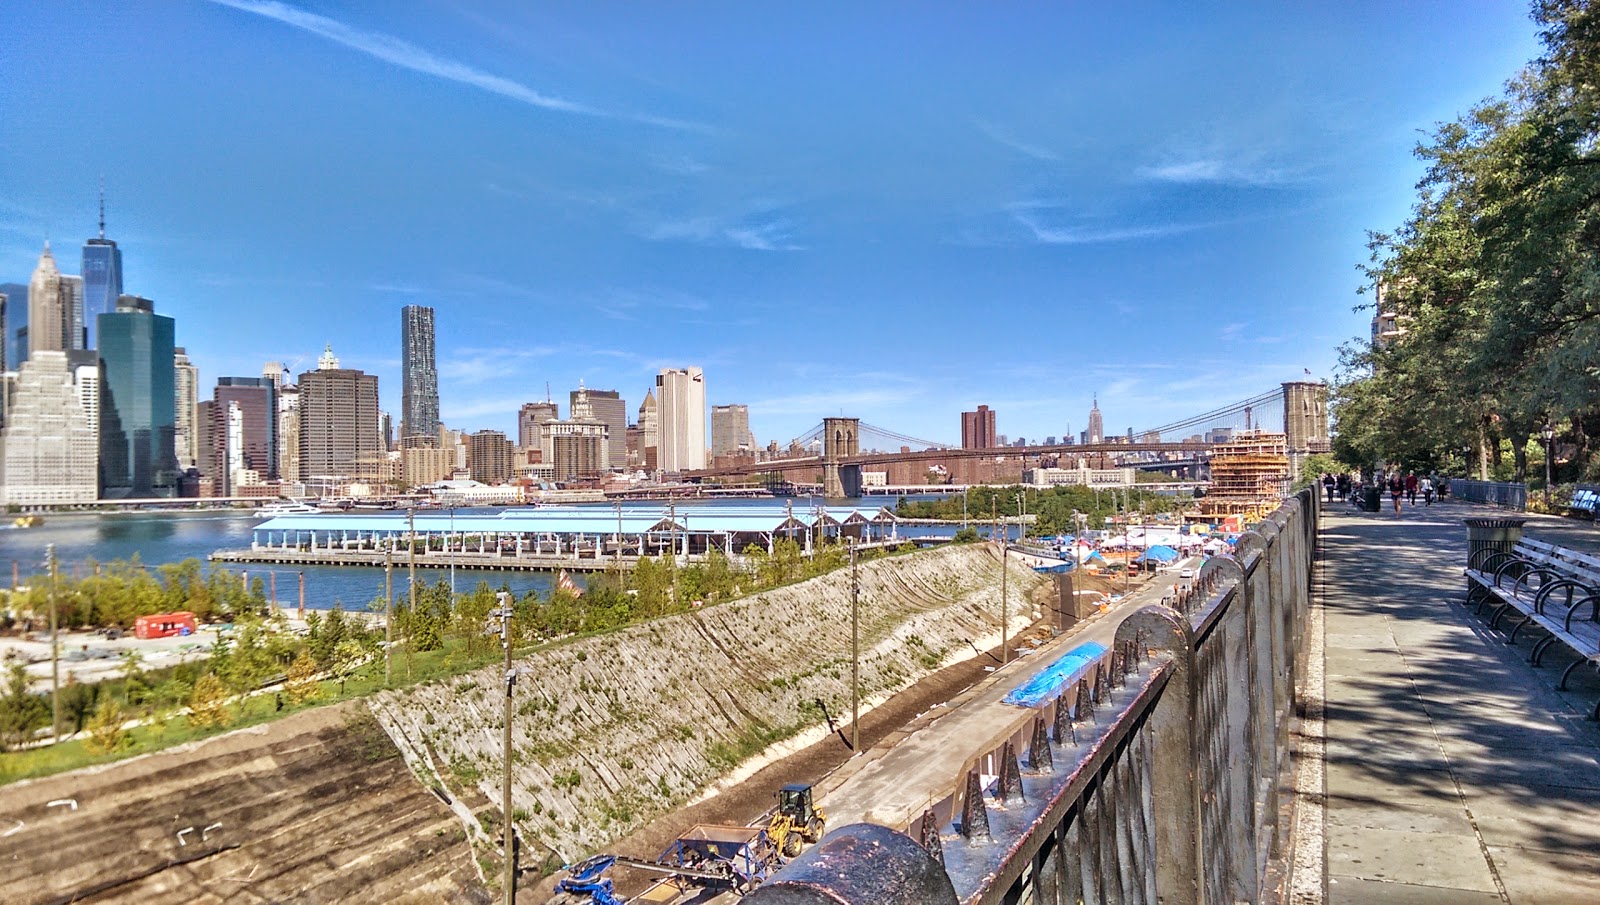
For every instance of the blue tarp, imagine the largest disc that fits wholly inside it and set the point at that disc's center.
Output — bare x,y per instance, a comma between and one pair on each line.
1064,567
1159,553
1045,684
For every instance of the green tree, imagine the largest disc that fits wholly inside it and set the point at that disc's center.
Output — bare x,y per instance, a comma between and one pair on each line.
106,734
301,684
208,702
21,711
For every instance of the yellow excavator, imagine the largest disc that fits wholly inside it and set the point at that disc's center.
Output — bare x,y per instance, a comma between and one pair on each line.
797,822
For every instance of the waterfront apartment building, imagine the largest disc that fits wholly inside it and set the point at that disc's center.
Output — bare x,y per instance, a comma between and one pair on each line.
977,429
1097,425
730,430
138,401
421,465
529,418
186,400
608,407
681,402
338,420
419,377
490,457
579,446
244,432
47,449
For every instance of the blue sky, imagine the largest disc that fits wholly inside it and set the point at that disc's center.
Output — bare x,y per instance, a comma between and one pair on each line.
893,211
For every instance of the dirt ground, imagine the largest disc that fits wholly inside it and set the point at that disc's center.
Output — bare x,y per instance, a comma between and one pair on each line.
316,807
747,800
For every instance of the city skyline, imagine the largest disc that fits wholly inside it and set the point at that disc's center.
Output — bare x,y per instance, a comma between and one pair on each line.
605,198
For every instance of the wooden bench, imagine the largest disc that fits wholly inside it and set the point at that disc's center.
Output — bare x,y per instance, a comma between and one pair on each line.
1553,588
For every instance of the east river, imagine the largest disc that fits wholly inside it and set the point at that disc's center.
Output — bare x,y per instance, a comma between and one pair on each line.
171,536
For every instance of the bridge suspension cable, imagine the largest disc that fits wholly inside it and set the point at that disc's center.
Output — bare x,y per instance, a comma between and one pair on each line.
1256,405
900,438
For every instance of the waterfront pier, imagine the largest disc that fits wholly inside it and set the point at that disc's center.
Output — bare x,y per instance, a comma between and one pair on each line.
554,538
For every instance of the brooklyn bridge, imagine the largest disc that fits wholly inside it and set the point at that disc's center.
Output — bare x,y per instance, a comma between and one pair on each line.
849,457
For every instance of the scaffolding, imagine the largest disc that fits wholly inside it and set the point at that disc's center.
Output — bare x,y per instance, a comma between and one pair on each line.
1249,476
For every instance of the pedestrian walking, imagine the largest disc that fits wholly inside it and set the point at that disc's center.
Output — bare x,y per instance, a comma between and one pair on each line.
1427,490
1343,485
1396,488
1327,485
1411,488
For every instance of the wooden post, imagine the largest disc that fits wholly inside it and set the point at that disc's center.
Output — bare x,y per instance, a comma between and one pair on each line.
302,610
388,612
55,652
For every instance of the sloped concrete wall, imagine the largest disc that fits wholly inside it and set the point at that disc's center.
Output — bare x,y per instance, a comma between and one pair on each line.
612,731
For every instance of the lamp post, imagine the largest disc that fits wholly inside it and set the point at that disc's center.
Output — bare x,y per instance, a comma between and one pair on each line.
450,545
855,654
502,614
1549,435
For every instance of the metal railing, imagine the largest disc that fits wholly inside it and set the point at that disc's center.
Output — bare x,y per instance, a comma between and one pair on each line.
1495,493
1158,776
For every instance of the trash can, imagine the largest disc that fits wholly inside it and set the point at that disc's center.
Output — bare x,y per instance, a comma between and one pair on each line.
1496,534
1372,499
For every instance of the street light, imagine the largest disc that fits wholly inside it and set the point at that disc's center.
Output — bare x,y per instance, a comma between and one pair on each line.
1549,435
502,614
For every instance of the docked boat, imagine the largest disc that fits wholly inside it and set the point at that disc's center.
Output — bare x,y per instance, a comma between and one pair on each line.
287,507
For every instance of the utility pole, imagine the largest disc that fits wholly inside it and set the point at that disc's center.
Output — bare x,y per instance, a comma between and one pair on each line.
855,653
388,613
503,613
1005,606
411,617
619,536
55,651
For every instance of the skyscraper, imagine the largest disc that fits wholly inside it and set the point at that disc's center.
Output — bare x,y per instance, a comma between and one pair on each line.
48,318
1097,425
138,401
730,429
244,432
489,456
649,432
419,377
186,399
529,418
72,303
682,413
102,278
16,324
338,419
47,451
608,407
977,429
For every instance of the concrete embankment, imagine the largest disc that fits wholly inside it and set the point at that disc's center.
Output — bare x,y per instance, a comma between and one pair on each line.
316,807
613,730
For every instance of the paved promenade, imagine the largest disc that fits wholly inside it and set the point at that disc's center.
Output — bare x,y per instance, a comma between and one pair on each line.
1452,771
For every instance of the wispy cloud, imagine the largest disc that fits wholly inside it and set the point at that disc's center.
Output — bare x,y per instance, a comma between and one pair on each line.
473,366
1037,152
1219,165
1088,232
753,233
406,55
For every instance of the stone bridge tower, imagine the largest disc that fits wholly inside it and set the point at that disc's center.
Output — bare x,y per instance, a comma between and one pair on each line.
1305,421
841,438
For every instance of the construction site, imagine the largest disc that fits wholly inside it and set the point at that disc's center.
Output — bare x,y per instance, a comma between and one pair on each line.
683,760
1249,478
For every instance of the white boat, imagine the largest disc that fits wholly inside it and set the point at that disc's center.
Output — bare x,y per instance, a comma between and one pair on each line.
290,507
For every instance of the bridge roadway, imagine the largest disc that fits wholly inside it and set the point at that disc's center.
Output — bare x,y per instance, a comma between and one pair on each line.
933,455
915,768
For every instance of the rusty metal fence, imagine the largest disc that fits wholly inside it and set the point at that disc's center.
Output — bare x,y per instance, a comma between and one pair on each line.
1159,776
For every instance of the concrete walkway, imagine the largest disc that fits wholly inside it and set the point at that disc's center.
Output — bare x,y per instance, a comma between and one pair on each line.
1451,771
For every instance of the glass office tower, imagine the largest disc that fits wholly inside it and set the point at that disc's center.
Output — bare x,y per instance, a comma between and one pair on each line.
138,411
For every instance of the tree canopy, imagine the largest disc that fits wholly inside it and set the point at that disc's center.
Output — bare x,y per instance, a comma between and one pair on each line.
1494,278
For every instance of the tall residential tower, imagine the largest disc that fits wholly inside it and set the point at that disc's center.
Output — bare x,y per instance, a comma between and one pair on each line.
419,378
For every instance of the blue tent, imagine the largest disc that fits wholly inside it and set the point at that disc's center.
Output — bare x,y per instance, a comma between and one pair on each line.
1158,553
